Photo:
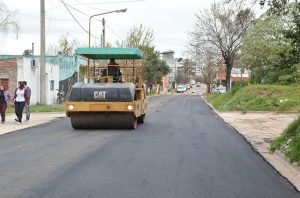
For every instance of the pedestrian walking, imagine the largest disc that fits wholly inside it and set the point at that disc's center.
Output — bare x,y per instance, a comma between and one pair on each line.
27,105
20,99
4,98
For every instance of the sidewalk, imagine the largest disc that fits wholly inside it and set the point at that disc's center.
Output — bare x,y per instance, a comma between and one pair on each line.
260,129
35,119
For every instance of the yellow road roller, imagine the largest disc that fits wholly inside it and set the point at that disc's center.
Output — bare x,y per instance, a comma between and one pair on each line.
110,92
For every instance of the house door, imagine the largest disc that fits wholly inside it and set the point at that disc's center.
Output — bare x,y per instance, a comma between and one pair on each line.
4,82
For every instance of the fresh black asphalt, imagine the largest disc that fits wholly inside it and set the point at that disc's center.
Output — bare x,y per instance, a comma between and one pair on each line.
183,150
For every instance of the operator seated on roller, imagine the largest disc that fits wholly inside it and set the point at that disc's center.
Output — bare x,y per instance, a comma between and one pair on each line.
113,69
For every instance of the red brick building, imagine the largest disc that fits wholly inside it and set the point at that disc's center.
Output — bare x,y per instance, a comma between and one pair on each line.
237,75
9,73
165,84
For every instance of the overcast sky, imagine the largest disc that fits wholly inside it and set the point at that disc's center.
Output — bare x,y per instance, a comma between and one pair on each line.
171,20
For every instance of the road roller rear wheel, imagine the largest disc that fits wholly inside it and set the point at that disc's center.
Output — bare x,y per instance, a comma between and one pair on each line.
133,122
141,118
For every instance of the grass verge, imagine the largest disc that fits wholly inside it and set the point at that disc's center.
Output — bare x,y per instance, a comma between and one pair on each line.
258,98
42,108
289,142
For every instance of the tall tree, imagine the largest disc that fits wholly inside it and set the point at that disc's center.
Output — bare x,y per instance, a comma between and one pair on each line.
188,67
8,21
209,66
139,37
290,8
209,71
222,27
154,68
65,46
264,46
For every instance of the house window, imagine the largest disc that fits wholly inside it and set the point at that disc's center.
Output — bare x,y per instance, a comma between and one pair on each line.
51,85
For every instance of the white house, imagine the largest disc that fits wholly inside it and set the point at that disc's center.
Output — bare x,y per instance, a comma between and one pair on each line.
27,68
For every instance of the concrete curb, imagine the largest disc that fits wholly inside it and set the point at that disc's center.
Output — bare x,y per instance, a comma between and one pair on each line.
282,166
37,119
280,155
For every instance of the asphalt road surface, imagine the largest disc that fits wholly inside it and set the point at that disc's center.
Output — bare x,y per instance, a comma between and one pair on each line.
182,151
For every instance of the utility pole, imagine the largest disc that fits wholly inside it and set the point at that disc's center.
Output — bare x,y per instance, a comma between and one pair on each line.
103,32
43,90
101,40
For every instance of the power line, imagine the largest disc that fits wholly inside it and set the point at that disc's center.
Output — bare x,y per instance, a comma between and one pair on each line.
48,18
77,20
99,3
114,32
110,2
77,10
88,15
88,6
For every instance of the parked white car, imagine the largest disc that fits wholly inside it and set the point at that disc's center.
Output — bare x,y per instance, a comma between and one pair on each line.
220,89
181,89
187,86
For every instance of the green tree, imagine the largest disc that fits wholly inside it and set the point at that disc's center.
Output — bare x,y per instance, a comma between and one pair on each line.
8,21
67,45
154,69
188,67
289,9
140,37
265,46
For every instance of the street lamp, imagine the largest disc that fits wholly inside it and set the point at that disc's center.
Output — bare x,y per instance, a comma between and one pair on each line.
116,11
90,19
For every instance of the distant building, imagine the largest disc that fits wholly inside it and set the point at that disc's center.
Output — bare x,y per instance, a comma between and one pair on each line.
174,64
237,75
167,55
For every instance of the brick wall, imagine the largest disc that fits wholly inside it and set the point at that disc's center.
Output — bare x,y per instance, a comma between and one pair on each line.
9,70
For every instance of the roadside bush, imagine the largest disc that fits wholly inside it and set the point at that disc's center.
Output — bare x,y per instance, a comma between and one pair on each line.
289,142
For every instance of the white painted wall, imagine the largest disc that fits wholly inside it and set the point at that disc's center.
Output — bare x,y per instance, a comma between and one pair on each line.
32,76
52,73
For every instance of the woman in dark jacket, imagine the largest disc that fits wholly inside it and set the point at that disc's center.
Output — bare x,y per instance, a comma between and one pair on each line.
4,98
20,99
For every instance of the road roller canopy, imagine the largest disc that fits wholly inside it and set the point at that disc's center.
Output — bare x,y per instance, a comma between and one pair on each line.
111,65
110,53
